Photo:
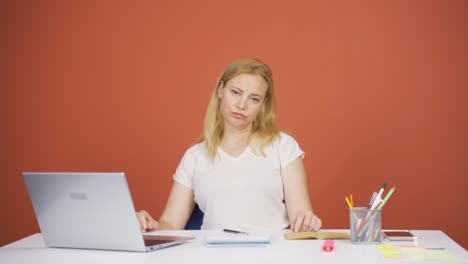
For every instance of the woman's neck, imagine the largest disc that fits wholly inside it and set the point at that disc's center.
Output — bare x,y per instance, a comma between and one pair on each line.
235,141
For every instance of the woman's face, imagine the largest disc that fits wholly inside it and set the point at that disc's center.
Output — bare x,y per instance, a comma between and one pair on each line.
242,98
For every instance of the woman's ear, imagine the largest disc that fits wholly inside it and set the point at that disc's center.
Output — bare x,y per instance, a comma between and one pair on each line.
220,89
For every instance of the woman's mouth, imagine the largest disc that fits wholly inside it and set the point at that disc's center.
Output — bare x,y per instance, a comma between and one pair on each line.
238,115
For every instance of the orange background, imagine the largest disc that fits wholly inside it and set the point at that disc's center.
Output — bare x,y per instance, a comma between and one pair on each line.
373,91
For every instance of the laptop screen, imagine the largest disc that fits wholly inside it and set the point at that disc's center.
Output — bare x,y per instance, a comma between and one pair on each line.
87,210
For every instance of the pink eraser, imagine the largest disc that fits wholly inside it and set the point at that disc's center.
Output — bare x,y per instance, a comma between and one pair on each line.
328,245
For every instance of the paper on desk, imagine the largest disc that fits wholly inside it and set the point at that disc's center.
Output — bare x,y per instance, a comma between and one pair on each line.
389,251
254,238
429,254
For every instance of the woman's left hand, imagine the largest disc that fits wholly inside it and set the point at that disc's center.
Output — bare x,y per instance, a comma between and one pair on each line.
307,221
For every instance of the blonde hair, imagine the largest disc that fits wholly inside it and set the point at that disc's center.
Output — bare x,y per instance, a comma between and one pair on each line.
264,128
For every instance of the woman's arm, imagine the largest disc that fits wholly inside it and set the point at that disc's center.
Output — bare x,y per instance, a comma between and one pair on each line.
178,208
301,216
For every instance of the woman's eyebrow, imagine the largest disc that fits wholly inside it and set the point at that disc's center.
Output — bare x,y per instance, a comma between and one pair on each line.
237,88
242,91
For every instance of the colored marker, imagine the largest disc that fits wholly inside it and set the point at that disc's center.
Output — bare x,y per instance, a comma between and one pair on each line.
328,245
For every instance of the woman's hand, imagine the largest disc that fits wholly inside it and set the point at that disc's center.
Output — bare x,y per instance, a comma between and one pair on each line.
147,223
300,213
306,222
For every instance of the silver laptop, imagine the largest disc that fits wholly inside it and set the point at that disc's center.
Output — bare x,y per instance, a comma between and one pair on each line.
89,210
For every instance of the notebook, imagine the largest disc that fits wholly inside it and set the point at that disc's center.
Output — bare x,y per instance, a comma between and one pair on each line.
242,239
89,211
316,235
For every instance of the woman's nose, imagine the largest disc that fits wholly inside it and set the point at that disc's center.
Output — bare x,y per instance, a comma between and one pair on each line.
242,103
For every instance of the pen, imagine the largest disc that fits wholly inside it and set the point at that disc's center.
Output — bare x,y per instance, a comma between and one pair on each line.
378,197
382,188
234,231
365,224
371,202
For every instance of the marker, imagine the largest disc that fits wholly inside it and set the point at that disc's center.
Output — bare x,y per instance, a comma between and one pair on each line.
328,245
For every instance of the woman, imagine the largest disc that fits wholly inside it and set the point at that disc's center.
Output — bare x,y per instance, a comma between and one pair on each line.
243,172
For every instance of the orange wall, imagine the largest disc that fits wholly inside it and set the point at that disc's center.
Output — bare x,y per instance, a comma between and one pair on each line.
373,92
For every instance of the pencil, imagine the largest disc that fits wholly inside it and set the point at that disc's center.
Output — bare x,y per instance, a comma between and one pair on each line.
350,205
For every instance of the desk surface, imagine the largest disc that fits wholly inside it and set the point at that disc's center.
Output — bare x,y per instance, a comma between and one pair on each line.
32,250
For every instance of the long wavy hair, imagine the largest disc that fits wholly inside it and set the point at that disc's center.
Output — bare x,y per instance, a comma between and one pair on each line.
264,129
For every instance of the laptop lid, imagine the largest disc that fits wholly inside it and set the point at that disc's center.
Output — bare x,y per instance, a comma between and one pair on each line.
89,210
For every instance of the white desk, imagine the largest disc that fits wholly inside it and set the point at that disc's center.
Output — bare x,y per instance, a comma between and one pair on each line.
32,250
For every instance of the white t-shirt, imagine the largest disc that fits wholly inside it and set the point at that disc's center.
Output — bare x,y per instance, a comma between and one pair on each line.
239,192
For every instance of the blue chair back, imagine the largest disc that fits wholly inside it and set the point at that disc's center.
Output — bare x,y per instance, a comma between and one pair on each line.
195,220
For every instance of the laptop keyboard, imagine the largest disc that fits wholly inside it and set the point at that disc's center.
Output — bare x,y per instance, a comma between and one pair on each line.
152,242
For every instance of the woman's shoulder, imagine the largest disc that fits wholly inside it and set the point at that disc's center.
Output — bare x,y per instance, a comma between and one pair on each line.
284,138
281,142
196,150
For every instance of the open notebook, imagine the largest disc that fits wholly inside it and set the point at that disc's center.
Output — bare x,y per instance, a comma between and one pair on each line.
316,235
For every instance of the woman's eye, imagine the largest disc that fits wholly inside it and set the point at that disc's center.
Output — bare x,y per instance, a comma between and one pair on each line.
256,100
234,92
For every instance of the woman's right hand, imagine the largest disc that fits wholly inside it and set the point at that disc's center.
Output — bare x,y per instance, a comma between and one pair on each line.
147,223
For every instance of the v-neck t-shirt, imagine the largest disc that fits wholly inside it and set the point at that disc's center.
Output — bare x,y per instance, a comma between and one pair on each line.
239,192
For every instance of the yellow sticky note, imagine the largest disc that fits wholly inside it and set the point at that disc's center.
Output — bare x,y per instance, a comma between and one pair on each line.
389,251
429,254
